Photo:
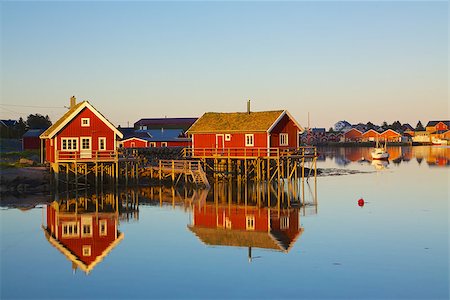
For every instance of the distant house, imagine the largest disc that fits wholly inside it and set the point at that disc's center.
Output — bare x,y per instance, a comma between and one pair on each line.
390,135
370,135
352,135
433,126
252,132
31,140
164,123
407,128
8,128
81,134
342,126
155,138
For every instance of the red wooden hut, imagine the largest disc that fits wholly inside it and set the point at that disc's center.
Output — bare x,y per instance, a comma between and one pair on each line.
390,135
84,237
252,131
31,140
246,226
370,135
352,135
81,134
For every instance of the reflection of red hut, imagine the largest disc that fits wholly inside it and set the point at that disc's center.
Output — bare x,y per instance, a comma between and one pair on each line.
85,238
246,226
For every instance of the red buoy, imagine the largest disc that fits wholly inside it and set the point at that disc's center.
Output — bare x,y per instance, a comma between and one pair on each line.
361,202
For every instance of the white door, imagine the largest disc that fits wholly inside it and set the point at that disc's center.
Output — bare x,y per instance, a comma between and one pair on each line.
85,147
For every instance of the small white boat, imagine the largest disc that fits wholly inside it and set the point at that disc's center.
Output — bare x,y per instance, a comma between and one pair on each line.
379,152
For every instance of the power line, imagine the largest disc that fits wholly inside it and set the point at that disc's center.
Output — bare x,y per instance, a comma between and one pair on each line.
33,106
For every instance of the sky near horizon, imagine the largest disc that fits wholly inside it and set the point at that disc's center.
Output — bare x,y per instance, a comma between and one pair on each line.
356,61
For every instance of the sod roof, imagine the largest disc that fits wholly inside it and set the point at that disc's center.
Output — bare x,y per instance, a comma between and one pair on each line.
239,121
239,238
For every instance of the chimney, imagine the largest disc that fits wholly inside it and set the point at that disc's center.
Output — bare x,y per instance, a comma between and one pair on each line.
248,106
73,101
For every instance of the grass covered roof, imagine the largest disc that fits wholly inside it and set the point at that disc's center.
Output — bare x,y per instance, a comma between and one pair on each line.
238,121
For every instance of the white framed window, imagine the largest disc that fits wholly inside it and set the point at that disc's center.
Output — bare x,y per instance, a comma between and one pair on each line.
153,144
284,139
69,144
85,143
103,228
85,122
86,227
250,222
227,137
227,223
101,143
70,229
249,140
132,144
284,222
143,127
86,250
163,144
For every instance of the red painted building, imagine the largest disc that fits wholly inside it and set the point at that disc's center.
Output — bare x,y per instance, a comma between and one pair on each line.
370,135
441,125
390,135
246,226
134,142
81,134
154,138
352,135
250,132
31,140
84,237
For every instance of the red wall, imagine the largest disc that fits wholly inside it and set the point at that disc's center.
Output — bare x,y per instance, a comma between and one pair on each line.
138,143
30,143
441,126
208,140
73,129
75,244
352,135
211,217
285,125
370,134
390,135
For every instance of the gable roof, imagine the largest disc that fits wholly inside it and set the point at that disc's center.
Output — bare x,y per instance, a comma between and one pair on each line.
8,123
387,130
72,113
368,131
263,121
434,123
241,238
33,133
166,123
70,255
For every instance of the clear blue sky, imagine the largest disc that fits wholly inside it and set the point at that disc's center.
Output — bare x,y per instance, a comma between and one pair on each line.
359,61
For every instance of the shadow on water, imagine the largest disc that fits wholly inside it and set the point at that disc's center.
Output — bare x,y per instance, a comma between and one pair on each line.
84,225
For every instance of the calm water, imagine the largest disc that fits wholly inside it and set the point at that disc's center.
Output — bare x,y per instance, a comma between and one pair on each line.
244,242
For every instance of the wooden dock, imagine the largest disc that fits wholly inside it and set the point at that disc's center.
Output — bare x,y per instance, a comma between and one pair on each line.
191,171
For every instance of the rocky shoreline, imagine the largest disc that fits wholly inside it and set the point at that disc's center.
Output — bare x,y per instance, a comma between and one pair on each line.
29,180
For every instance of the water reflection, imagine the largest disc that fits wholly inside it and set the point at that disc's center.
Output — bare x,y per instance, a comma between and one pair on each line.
261,216
84,229
433,155
380,164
